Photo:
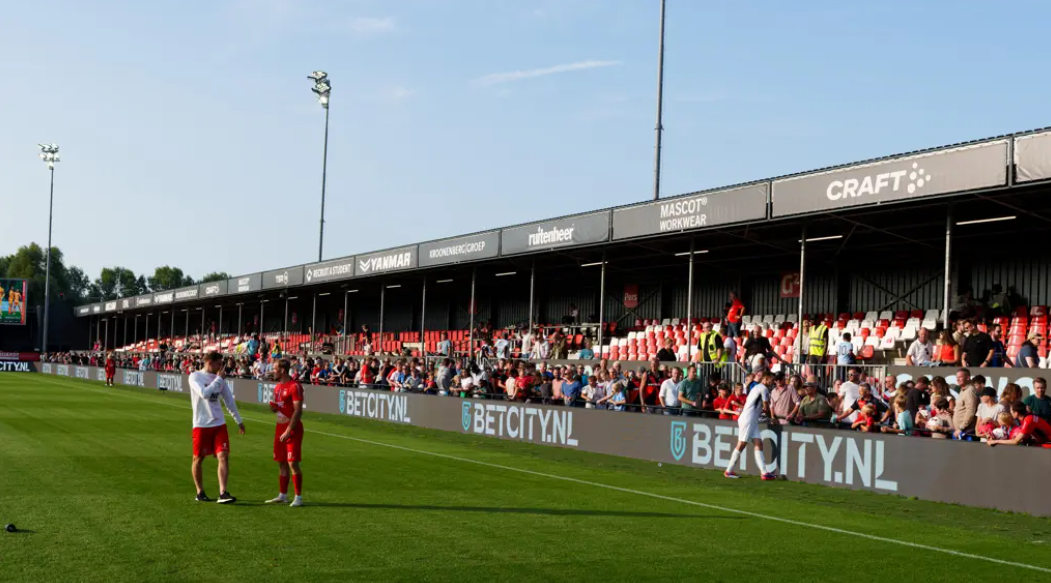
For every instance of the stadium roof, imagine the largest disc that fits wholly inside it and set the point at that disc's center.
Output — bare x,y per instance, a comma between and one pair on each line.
990,164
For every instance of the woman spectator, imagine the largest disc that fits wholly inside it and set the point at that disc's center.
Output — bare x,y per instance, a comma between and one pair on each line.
940,390
1011,395
946,350
1028,354
939,421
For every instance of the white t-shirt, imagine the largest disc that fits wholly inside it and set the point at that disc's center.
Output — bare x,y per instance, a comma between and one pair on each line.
921,353
730,349
848,395
989,411
670,393
205,391
753,405
527,343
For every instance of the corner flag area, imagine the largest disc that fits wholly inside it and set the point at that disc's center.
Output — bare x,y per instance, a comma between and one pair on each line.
97,482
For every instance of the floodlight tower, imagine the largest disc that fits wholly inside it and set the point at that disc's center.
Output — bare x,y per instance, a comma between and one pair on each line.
49,154
322,88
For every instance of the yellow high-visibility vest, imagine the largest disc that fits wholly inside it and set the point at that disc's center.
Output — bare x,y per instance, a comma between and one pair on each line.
818,340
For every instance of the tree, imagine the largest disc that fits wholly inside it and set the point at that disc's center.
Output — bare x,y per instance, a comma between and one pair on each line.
166,278
119,282
215,276
78,283
30,262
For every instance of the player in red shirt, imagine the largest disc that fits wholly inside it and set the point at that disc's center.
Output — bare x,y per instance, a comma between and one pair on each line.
111,369
1033,431
287,402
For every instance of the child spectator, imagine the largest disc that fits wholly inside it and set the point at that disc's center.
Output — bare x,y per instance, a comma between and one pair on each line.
722,404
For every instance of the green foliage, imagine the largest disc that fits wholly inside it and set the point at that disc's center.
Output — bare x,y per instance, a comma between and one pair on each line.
166,278
215,276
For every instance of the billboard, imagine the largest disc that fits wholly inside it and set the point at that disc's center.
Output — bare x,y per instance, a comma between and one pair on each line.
1033,157
245,283
13,301
941,172
567,232
694,211
460,249
280,278
332,270
384,261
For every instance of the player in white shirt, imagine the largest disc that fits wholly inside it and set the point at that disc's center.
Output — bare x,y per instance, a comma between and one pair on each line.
757,403
210,437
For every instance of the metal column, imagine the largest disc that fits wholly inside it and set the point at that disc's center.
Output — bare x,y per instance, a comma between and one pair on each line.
601,303
660,101
284,327
802,281
313,320
91,343
383,293
126,329
203,332
146,336
186,338
173,326
471,309
239,307
135,336
689,306
532,281
105,342
220,323
423,321
946,298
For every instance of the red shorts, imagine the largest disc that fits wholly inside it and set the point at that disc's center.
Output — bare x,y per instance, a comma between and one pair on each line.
210,440
110,373
291,450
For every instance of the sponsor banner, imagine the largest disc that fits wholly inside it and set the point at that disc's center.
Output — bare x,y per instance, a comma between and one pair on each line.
23,356
16,366
143,301
83,310
127,303
460,249
96,309
164,297
110,306
1033,157
100,374
186,294
170,382
46,367
210,290
245,283
930,469
942,172
790,285
631,295
567,232
62,370
996,378
82,372
385,261
378,405
133,378
694,211
279,278
333,270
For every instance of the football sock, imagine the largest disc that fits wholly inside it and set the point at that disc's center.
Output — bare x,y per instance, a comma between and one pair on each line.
284,485
297,482
761,463
736,455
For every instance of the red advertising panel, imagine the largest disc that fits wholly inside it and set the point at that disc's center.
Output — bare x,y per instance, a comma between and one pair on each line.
631,295
790,285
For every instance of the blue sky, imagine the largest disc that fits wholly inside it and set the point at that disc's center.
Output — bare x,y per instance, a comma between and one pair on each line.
190,137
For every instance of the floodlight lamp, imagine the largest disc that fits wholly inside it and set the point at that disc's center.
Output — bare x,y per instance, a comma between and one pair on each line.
317,76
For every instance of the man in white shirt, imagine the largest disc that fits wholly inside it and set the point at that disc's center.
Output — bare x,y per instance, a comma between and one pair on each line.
541,349
207,387
849,392
757,404
503,347
921,351
527,342
669,393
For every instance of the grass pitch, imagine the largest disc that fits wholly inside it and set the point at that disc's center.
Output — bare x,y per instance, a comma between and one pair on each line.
99,480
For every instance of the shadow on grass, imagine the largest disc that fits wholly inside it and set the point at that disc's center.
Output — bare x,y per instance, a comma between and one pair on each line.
504,510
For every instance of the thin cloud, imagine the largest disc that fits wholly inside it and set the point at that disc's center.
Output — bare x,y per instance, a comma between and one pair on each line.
511,76
368,25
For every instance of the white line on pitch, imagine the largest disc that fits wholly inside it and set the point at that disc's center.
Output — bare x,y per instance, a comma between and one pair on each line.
638,493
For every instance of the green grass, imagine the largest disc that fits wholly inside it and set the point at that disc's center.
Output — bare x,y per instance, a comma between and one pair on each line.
101,478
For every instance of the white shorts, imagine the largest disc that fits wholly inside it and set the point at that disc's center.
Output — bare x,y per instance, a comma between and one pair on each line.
748,429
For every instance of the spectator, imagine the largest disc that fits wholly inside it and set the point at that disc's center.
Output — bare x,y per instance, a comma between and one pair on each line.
616,398
1032,430
594,392
571,392
737,400
939,421
669,393
813,406
866,420
848,393
978,347
784,401
903,424
557,382
253,346
527,341
845,351
999,358
730,349
586,353
866,398
445,347
541,349
1028,355
503,347
650,386
889,390
921,351
1012,394
965,415
988,412
757,344
1039,403
691,392
947,350
667,353
733,316
722,404
558,347
1006,425
963,378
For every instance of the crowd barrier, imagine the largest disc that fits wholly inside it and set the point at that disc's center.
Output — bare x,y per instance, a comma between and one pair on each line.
940,470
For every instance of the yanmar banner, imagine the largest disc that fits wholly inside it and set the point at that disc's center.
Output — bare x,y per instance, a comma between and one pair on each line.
931,469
